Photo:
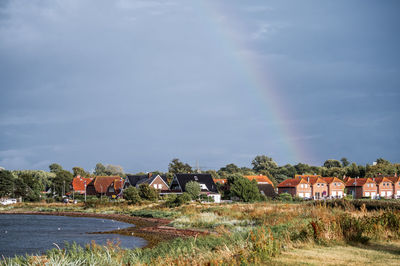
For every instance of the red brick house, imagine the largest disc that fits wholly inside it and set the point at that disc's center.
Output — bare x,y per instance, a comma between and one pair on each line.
362,187
105,186
396,186
385,187
335,187
79,184
319,187
296,187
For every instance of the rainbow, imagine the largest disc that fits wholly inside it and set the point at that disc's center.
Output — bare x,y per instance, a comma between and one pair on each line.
277,112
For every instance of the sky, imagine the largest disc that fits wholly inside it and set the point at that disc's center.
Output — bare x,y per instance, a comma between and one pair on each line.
138,83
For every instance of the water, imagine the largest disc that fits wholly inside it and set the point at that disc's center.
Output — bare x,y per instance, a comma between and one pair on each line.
34,234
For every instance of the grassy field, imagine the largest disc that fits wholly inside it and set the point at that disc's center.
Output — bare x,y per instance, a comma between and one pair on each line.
241,234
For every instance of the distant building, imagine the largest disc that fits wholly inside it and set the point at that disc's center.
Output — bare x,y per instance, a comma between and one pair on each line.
156,181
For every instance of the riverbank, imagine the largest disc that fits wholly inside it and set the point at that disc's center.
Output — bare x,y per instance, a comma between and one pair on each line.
153,230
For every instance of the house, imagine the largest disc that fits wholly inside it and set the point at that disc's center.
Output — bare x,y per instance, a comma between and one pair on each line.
385,187
319,187
157,181
264,184
207,185
79,184
221,181
396,186
105,185
296,187
335,187
361,187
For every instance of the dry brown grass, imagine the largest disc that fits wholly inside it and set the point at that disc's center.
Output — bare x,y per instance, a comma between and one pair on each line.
377,253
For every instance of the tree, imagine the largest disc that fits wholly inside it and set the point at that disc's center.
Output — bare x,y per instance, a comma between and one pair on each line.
345,162
6,183
131,194
193,188
55,167
382,161
176,167
332,163
114,170
80,171
353,170
230,169
147,192
62,182
100,169
243,188
263,162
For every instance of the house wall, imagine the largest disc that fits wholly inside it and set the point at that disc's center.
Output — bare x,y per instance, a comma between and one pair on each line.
396,189
303,190
370,190
385,190
336,191
319,190
290,190
159,184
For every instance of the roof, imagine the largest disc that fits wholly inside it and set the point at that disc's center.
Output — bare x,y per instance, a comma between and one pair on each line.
330,180
259,178
358,182
205,179
78,183
314,179
101,183
292,182
221,180
394,179
305,176
379,180
149,180
134,179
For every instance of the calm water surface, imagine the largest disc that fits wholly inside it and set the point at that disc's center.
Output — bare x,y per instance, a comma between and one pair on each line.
34,234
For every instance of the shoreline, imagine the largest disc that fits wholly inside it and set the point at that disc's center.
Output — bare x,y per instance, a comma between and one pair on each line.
153,230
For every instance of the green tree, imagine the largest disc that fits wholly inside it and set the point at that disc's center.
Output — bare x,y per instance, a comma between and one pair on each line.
55,167
176,167
302,168
80,171
382,161
114,170
6,183
332,163
193,188
99,170
147,192
345,162
353,170
263,162
230,169
131,194
243,188
62,182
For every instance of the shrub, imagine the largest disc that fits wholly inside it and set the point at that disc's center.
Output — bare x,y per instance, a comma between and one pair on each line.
193,188
175,201
131,194
205,198
243,188
285,197
49,200
147,192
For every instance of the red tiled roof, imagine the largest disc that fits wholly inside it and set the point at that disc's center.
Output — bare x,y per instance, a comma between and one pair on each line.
78,183
101,183
314,179
259,178
394,179
119,184
330,180
358,182
292,182
305,176
379,180
220,180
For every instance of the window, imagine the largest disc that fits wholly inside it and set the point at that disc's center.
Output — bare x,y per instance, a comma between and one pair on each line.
318,185
159,186
196,178
367,194
301,185
334,184
203,186
155,186
305,185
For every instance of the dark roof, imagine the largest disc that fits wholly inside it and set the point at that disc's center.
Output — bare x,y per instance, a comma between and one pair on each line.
134,179
150,179
205,179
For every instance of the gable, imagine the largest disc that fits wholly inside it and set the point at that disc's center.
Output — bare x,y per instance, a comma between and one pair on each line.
205,179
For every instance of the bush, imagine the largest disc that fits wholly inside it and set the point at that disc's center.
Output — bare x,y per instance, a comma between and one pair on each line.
148,193
152,214
175,201
205,198
193,188
95,202
243,188
285,197
49,200
131,194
